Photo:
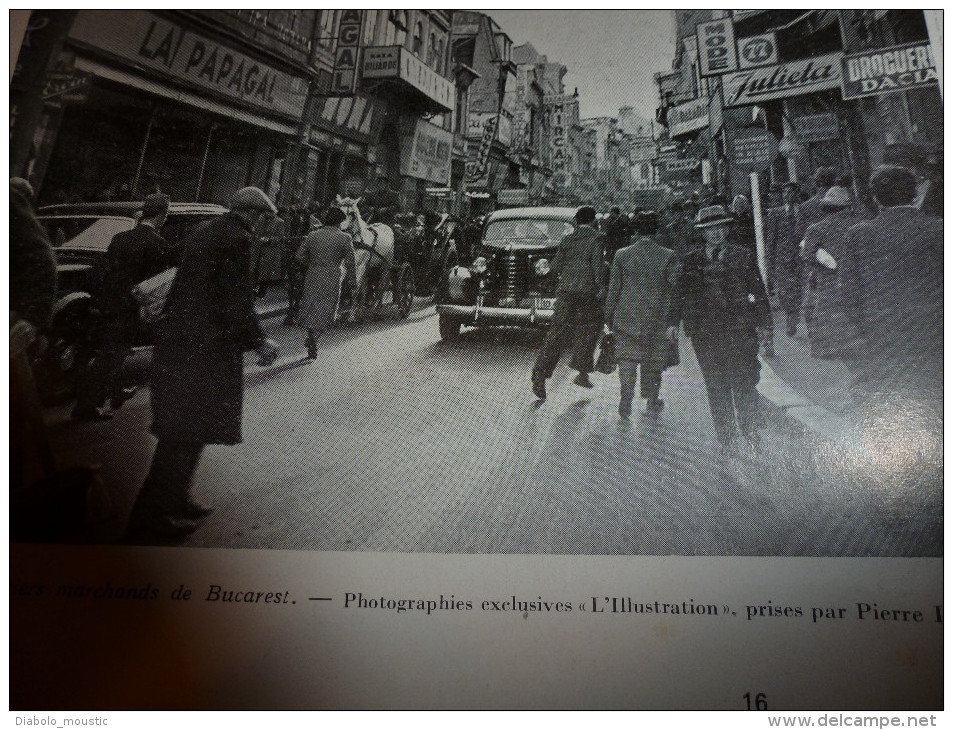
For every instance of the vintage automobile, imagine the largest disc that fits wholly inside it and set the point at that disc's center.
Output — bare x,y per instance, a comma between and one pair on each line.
81,234
508,281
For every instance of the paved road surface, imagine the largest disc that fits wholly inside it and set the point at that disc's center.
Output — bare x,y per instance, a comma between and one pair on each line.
395,441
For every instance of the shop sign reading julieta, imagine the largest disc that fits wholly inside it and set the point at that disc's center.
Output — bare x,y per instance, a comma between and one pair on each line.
783,80
888,69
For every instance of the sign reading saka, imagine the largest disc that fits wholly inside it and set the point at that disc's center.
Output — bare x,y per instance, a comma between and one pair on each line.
888,69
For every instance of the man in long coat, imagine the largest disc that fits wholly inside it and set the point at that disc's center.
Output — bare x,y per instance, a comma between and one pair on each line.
824,250
892,288
132,257
577,318
723,306
783,233
209,321
640,309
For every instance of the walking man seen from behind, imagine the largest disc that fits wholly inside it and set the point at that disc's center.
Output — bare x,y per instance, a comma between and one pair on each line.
577,319
209,321
132,257
640,310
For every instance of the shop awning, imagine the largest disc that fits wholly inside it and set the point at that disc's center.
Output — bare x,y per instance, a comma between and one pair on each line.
186,97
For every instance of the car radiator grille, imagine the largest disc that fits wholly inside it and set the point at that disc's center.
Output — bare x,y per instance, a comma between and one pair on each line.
514,275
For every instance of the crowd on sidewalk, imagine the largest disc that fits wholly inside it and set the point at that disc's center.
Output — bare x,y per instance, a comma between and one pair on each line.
868,288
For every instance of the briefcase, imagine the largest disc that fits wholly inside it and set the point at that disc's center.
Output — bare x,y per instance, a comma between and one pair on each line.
606,362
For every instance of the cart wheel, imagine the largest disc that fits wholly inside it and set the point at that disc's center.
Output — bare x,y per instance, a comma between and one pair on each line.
404,291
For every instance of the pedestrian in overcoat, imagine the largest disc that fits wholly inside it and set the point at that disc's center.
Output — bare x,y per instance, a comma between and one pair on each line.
577,317
723,305
640,310
892,288
209,322
132,257
783,233
824,249
321,253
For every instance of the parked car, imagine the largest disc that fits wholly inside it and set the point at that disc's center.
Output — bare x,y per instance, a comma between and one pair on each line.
508,281
81,234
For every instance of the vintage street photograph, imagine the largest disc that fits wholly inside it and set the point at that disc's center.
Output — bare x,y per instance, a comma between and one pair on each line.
536,282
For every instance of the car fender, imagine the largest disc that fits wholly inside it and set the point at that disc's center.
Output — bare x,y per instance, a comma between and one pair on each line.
70,301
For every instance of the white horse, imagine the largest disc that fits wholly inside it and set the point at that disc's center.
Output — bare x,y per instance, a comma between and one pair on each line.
373,252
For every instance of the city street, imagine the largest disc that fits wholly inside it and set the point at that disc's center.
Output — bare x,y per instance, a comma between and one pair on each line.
392,440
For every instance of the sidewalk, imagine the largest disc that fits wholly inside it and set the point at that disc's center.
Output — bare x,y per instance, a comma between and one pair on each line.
814,392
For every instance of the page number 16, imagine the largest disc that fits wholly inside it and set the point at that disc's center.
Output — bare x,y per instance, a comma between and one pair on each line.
759,702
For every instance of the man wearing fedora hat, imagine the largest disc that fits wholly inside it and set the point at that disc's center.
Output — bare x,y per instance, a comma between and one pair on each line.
133,256
824,249
209,321
723,307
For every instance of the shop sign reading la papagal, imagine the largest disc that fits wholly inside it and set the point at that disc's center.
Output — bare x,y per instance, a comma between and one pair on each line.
885,70
783,80
146,40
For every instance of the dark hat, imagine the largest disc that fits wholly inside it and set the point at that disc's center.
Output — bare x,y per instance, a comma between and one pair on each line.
586,214
252,199
713,215
155,204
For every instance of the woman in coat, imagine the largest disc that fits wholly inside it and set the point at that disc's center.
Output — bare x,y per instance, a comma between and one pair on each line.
641,310
321,253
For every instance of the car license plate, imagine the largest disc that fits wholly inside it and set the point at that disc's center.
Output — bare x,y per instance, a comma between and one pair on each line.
548,303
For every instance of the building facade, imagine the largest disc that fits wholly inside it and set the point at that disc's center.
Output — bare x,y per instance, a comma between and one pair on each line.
784,92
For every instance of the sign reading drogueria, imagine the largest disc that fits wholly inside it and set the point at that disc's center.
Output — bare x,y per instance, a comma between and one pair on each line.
888,69
783,80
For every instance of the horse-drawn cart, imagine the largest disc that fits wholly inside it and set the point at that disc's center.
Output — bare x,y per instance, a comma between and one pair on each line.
382,282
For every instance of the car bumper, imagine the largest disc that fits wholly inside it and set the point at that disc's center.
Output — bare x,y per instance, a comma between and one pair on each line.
480,315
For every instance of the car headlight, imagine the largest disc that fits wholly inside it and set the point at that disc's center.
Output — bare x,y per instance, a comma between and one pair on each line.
479,265
541,267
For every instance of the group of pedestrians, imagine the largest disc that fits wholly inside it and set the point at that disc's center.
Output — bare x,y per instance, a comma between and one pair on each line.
715,291
869,289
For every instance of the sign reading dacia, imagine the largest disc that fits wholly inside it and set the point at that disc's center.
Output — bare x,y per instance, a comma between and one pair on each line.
885,70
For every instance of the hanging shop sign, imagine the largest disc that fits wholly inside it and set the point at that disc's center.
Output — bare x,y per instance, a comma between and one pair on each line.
396,62
716,47
513,196
886,70
817,127
344,78
67,86
478,169
758,50
752,150
169,49
357,117
783,80
688,117
681,165
426,154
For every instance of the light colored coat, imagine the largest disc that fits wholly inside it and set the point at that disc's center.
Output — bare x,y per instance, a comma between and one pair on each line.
322,251
640,303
